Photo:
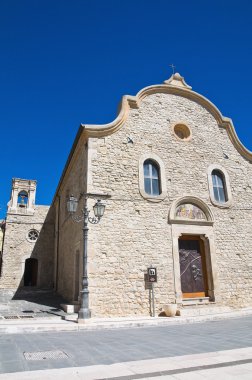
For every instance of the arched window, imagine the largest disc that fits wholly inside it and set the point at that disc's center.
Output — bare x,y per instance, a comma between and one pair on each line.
219,186
22,199
151,178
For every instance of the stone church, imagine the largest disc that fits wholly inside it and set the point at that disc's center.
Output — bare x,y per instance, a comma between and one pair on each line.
177,184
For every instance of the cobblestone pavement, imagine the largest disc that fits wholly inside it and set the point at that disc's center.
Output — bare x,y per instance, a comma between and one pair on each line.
87,348
29,303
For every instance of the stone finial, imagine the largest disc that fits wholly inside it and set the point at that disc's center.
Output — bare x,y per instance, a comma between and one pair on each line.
176,80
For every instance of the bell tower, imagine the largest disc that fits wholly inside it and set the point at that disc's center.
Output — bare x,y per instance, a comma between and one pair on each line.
22,196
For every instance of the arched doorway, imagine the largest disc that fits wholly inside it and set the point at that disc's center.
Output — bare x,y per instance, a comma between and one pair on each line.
31,272
193,248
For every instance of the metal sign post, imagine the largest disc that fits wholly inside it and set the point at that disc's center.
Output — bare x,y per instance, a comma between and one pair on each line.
153,300
151,278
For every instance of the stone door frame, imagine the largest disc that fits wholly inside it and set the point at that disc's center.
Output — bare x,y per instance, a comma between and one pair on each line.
203,229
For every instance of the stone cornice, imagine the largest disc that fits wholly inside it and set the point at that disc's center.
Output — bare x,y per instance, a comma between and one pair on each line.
134,102
102,130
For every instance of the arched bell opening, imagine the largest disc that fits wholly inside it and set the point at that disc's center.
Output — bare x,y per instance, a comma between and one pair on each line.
23,199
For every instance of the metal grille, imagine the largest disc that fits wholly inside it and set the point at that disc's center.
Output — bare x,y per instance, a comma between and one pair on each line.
18,316
43,355
11,317
26,316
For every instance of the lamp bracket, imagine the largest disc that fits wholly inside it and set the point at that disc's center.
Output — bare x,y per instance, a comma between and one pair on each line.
80,218
94,219
77,218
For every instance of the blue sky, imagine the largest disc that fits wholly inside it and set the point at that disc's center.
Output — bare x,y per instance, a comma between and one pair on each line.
66,62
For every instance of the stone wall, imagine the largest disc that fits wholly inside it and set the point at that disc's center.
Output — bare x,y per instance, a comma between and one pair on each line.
68,243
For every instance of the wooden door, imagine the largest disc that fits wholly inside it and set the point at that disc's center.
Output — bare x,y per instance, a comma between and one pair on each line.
192,267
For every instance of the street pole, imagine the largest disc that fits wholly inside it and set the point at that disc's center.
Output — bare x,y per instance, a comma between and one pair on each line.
99,208
84,312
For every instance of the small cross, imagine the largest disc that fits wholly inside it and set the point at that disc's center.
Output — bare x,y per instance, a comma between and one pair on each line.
173,68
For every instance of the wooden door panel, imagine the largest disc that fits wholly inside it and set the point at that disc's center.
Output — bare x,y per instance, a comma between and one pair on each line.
191,269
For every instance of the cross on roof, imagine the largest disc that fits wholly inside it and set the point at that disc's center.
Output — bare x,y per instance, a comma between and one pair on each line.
173,68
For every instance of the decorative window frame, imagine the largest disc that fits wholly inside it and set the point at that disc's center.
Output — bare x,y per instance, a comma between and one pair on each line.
185,124
223,171
27,236
197,202
162,177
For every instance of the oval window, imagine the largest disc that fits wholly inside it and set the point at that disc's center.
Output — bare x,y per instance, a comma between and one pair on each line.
182,132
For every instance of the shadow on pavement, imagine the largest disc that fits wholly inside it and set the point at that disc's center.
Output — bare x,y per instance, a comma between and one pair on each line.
34,301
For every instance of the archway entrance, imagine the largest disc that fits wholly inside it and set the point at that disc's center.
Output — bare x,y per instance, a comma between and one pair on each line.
31,272
193,248
193,271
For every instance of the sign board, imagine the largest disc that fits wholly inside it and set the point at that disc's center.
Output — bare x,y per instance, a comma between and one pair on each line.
152,274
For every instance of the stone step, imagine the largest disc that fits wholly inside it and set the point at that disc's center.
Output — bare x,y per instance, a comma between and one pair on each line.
71,317
194,311
70,308
195,301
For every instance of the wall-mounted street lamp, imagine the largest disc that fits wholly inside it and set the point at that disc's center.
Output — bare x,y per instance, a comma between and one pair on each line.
99,208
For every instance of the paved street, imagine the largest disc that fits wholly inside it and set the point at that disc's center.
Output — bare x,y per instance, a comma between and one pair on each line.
103,347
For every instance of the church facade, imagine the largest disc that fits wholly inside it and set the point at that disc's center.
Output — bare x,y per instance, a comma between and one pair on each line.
180,193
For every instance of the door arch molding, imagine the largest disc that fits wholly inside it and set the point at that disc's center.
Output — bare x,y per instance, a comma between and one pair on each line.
194,201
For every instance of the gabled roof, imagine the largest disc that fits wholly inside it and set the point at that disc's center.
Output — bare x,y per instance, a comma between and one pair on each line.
175,85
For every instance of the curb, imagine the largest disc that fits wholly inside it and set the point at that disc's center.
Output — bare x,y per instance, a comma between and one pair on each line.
46,325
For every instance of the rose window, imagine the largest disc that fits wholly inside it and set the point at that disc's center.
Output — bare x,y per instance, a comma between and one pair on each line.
32,235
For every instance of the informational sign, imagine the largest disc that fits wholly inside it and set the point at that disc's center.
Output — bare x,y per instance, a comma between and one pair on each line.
152,274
